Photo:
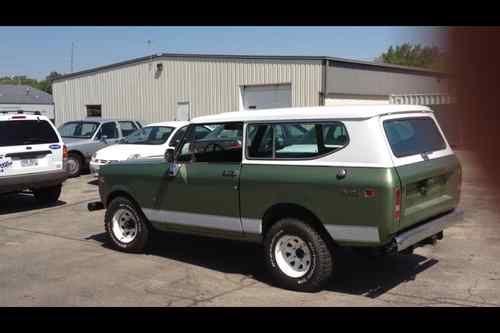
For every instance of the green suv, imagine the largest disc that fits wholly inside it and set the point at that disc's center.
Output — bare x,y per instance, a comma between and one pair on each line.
301,181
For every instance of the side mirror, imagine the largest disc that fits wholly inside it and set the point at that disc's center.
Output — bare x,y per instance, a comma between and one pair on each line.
173,167
103,138
169,155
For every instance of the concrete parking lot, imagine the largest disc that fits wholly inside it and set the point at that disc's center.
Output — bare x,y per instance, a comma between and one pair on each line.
58,256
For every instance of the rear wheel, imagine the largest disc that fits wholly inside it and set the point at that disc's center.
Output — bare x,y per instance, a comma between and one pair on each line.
74,165
126,226
297,256
48,195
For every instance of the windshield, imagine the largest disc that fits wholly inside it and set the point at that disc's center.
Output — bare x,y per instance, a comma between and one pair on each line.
26,132
151,135
78,129
410,136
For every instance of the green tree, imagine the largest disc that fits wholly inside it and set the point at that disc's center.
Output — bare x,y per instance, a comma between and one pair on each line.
413,56
44,85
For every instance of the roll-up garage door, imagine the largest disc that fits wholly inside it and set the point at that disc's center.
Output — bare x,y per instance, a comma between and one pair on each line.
267,96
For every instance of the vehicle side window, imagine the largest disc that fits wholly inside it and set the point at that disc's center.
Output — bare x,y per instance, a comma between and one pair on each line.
176,139
295,140
110,130
127,127
221,145
260,141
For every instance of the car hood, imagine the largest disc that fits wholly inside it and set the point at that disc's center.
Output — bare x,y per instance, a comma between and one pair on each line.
120,152
71,142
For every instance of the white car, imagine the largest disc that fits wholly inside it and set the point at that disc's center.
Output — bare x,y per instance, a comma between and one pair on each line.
149,141
32,156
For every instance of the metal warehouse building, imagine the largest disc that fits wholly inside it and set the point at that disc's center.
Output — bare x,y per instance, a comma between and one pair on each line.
182,86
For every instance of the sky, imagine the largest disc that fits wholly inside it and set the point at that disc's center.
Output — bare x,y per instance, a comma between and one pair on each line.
36,51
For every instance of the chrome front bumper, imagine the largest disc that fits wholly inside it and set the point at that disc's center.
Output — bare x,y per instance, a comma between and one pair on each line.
418,234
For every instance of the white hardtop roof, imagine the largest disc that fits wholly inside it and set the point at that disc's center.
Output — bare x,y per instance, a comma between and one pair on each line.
174,124
17,116
315,112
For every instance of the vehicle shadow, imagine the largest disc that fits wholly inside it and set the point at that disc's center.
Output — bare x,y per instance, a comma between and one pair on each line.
93,182
22,202
354,274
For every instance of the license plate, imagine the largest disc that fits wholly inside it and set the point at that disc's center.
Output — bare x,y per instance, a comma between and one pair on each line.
28,163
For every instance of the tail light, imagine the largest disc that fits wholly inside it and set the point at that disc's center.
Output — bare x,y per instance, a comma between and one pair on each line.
65,152
397,204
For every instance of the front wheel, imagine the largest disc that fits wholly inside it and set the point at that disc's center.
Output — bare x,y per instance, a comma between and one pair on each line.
126,226
297,256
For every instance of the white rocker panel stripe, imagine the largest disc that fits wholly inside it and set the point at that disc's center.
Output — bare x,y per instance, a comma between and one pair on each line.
353,233
254,226
192,219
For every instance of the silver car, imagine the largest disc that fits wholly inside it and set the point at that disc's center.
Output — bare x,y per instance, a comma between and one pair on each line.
84,137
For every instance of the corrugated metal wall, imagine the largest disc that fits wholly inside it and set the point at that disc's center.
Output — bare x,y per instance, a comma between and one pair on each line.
211,86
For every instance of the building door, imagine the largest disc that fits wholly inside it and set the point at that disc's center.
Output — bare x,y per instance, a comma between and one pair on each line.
183,112
267,96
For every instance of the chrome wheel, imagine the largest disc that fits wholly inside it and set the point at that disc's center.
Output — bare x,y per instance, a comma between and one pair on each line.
293,256
124,225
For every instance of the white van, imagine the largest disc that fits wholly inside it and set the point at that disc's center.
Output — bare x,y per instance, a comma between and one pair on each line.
32,156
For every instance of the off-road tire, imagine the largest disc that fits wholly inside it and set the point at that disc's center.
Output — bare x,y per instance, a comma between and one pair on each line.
141,240
48,195
321,267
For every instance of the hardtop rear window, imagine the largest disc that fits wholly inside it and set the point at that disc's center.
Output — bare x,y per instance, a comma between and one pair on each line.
26,132
411,136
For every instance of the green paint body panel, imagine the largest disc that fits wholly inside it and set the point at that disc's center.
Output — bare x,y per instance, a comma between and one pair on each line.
428,188
201,188
316,188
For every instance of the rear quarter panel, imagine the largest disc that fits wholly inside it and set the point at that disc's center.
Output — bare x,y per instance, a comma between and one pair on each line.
334,202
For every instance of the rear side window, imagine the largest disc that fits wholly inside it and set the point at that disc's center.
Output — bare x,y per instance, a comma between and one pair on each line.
127,127
110,130
411,136
26,132
295,140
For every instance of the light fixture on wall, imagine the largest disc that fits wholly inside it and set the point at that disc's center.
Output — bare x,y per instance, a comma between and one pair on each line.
159,70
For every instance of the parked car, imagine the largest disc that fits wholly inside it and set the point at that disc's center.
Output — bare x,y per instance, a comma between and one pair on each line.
149,141
304,182
32,156
85,137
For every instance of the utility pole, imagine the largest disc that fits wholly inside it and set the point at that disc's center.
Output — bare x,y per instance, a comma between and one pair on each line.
72,47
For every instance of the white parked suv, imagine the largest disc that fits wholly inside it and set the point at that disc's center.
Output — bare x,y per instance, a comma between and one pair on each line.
32,156
149,141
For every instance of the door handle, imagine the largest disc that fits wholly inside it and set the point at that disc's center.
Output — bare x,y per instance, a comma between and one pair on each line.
229,173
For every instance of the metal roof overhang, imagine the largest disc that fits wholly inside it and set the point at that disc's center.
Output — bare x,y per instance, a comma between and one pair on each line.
421,99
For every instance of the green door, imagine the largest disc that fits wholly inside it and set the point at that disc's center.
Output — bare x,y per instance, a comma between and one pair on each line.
203,194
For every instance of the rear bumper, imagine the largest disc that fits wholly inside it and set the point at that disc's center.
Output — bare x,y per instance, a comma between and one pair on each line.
32,181
415,235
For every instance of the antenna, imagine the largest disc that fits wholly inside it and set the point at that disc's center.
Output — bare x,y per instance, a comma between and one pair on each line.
151,54
72,47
